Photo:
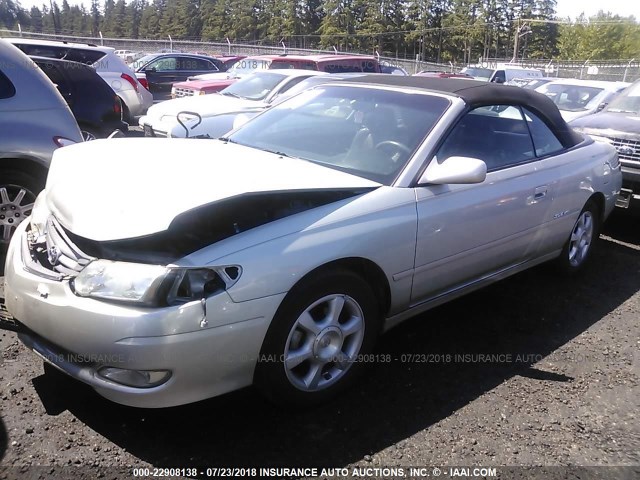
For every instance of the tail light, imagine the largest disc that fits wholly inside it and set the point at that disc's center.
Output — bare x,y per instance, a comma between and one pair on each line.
131,80
144,83
62,141
117,106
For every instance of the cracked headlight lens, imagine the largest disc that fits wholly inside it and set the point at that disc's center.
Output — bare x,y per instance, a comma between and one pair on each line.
131,282
152,285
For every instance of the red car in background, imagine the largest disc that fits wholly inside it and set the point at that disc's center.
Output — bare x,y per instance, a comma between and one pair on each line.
330,63
238,67
199,87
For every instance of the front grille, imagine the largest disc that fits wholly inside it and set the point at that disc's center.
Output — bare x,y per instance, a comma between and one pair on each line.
628,151
4,314
184,92
52,254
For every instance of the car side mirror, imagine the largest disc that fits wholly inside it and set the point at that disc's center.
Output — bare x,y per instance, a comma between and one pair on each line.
601,107
497,80
150,70
454,170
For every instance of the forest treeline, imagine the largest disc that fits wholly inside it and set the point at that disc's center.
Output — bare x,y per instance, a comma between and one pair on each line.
460,31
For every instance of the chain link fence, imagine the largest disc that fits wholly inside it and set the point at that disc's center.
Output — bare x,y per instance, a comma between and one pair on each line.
612,70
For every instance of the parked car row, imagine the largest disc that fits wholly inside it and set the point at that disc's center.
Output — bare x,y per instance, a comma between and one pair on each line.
35,121
212,116
135,98
277,254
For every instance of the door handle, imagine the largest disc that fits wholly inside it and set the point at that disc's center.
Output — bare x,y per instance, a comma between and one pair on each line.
540,192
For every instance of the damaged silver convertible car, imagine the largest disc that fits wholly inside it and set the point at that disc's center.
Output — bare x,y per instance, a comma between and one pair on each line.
277,255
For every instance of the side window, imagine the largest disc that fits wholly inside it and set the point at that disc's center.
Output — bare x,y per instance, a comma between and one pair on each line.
88,57
57,77
544,140
42,51
164,64
370,66
7,90
292,83
195,64
499,77
497,135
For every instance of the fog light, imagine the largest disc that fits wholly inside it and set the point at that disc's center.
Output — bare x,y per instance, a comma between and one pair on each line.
135,378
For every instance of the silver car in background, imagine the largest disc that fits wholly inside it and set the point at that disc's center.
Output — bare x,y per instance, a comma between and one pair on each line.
277,255
578,98
136,99
34,121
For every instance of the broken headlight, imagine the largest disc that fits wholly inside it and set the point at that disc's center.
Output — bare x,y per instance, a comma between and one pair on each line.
152,285
39,215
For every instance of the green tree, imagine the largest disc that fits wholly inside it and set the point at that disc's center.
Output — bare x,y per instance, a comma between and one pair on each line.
96,18
603,37
36,19
151,18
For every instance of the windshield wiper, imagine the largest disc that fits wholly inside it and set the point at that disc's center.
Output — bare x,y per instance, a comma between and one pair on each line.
276,152
230,94
616,110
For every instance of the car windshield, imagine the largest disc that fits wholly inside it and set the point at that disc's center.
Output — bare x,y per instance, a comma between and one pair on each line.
533,84
570,97
478,73
254,87
628,101
366,131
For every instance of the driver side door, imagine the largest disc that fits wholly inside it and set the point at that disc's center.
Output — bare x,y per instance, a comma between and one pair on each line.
468,232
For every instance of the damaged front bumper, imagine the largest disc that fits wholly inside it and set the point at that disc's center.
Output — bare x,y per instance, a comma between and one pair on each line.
85,337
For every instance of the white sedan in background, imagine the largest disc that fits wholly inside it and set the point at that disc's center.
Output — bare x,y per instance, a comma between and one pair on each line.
211,116
578,98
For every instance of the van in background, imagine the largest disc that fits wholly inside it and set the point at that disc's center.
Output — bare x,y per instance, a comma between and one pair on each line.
509,74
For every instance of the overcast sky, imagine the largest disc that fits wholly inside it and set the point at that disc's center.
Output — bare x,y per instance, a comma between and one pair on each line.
566,8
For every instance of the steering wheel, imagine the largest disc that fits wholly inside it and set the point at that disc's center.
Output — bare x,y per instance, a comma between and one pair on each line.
397,145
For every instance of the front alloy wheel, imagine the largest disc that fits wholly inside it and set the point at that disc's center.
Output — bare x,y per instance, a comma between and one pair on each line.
316,340
324,342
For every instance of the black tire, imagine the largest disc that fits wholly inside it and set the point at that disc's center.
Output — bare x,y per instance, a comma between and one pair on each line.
579,246
13,180
277,382
126,115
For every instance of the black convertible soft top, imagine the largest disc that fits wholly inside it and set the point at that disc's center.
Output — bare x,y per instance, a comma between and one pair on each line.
477,94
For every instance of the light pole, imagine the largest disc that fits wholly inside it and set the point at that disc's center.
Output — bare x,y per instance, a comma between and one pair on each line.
521,31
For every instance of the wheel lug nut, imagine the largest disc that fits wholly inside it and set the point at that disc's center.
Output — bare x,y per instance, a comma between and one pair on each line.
13,207
10,220
17,214
1,217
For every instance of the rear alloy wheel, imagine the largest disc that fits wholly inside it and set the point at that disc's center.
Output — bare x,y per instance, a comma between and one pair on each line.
582,239
18,192
315,343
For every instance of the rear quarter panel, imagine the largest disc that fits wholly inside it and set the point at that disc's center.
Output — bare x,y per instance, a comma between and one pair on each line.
577,175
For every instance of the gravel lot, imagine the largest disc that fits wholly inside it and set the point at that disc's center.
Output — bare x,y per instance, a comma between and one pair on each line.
561,388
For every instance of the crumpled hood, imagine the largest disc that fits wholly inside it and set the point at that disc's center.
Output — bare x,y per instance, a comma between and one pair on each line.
203,105
125,188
